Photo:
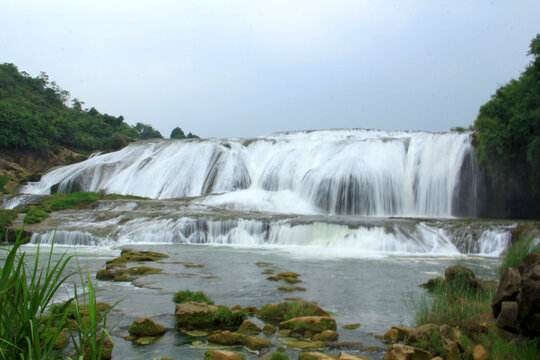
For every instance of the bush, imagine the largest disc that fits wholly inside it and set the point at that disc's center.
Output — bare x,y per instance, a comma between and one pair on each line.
185,296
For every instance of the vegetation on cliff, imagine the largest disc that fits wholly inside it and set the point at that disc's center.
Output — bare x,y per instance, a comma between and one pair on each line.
508,143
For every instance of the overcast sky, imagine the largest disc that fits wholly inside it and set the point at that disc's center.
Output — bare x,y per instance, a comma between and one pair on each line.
227,68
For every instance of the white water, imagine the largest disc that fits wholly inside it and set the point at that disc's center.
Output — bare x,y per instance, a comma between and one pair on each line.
356,172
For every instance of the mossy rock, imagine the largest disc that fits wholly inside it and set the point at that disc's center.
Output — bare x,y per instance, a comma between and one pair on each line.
227,338
307,345
267,272
201,316
249,328
273,278
316,324
288,274
326,336
223,355
255,343
290,309
291,280
269,329
146,327
351,326
146,340
143,270
193,265
316,356
105,275
262,263
291,288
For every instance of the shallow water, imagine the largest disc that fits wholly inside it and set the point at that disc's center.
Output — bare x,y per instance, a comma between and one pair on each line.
375,292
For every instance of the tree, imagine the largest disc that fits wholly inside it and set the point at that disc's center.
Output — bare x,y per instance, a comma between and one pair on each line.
147,131
177,133
508,141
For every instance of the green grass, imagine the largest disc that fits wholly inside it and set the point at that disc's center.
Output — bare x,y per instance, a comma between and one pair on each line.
4,179
35,215
185,296
29,328
279,355
517,251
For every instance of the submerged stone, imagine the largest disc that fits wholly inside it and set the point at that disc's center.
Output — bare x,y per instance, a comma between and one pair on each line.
255,343
313,323
223,355
351,326
145,327
227,338
316,356
249,328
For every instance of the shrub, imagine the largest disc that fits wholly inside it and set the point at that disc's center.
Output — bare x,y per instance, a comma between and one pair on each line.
185,296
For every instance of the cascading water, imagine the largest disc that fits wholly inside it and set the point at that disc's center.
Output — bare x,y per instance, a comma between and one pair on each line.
352,172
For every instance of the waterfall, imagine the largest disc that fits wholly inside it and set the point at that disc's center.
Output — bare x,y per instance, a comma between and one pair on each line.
335,172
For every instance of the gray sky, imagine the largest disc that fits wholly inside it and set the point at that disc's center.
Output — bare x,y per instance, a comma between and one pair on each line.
247,68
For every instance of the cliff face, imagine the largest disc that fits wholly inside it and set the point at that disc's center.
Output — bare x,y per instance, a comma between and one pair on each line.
18,166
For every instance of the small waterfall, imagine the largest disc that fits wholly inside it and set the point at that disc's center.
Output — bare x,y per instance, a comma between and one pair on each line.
354,172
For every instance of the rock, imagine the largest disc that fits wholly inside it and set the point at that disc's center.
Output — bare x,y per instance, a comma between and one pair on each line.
326,336
307,345
402,332
236,308
479,353
316,356
146,340
529,297
345,356
291,288
252,310
297,308
390,337
249,328
423,332
460,276
192,315
508,290
269,329
223,355
105,275
314,323
351,326
405,352
62,338
145,327
507,319
288,274
255,343
227,338
285,332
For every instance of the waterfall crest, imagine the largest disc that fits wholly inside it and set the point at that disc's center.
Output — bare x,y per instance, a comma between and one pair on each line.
336,172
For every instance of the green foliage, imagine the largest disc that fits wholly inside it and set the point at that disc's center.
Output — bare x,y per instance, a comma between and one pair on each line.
185,296
6,218
454,303
517,252
58,202
147,131
28,330
35,215
502,349
508,140
4,179
34,117
177,133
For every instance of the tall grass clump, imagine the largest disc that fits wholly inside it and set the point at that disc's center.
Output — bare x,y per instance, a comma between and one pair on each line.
527,244
29,329
185,296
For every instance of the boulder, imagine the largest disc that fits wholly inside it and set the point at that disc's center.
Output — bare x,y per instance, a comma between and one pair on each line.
405,352
223,355
269,329
249,328
144,327
507,319
316,356
344,356
227,338
193,315
326,336
351,326
255,343
316,324
390,337
479,353
508,290
423,332
529,297
402,332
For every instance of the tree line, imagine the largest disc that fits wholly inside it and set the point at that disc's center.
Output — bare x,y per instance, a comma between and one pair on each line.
34,115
